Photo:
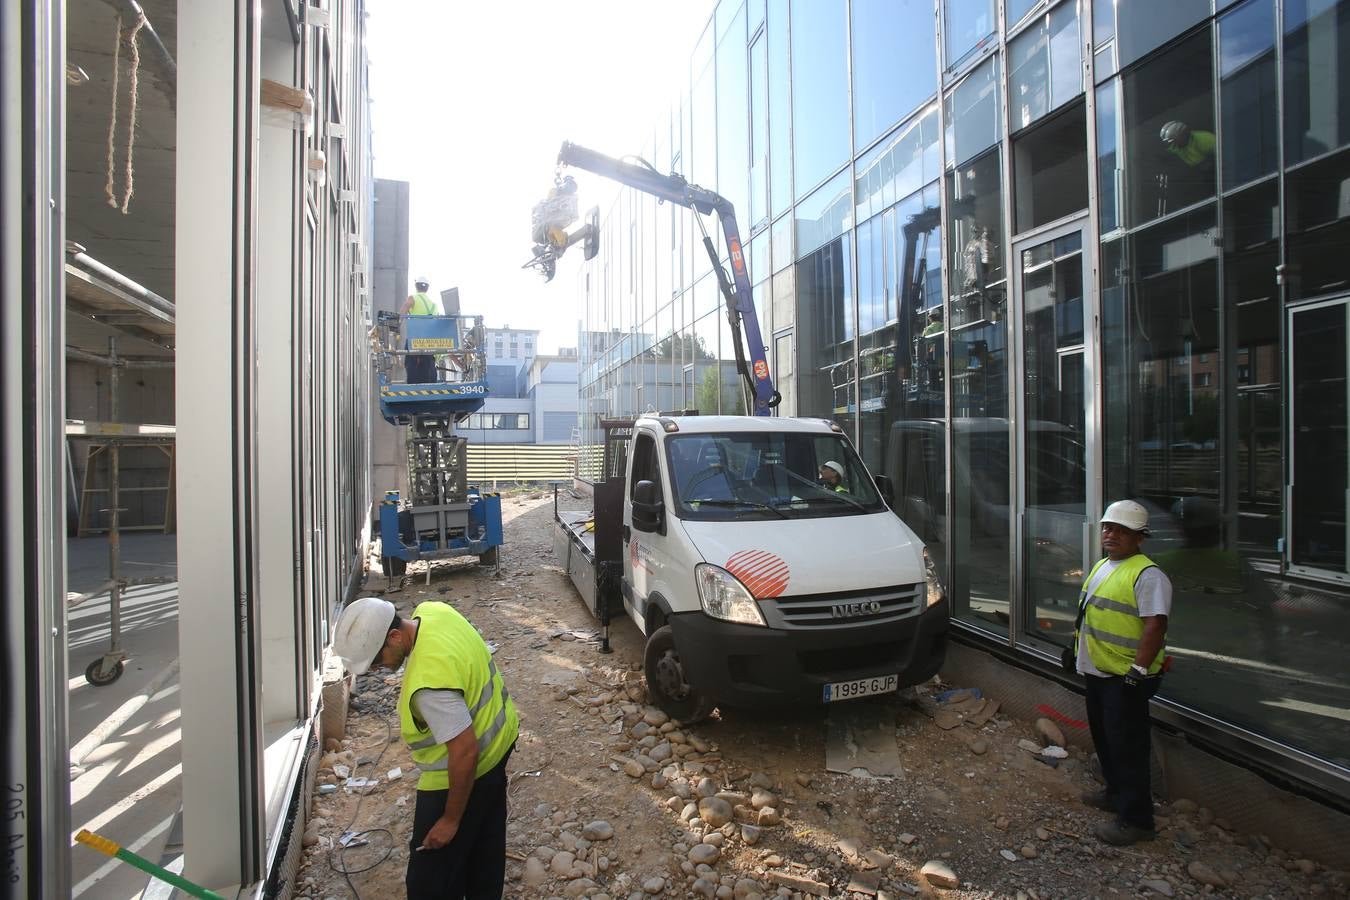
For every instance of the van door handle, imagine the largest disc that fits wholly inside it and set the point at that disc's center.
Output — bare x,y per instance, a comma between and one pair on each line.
627,533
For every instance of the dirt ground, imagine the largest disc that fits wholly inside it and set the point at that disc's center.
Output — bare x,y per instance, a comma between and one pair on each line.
605,794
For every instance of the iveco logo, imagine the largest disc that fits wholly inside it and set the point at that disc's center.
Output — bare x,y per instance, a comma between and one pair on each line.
849,610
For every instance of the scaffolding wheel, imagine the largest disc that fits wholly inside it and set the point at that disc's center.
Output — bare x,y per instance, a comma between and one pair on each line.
100,675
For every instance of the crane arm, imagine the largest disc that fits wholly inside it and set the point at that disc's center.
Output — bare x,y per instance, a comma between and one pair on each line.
740,308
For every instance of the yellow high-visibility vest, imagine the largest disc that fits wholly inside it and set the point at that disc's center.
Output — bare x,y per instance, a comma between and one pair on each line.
1111,622
423,305
449,655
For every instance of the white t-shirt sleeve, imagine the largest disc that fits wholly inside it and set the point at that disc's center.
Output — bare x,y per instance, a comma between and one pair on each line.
444,711
1153,593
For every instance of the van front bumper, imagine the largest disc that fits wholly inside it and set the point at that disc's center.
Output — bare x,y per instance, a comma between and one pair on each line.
748,665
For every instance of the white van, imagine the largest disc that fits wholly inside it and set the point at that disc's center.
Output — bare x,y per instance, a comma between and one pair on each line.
755,582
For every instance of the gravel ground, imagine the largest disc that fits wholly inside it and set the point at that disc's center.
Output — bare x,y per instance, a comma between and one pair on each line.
611,800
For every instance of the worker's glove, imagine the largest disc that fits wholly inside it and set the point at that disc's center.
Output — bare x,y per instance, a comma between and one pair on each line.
1068,661
1142,682
1133,679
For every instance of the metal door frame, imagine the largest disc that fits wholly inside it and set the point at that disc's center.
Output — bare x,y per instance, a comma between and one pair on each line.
1324,575
1019,632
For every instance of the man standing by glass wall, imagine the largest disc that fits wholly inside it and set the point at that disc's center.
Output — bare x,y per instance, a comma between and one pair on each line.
1119,648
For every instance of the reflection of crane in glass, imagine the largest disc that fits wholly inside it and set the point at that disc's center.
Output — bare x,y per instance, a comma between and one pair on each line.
925,353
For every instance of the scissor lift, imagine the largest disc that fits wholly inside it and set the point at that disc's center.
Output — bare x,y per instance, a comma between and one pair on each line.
443,516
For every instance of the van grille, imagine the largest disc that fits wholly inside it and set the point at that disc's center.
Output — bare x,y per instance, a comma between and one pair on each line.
845,608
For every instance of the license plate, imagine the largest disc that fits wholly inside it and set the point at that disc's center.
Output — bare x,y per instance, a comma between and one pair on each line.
861,687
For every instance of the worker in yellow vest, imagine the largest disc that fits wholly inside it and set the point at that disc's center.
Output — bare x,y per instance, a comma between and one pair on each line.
1118,643
420,367
459,721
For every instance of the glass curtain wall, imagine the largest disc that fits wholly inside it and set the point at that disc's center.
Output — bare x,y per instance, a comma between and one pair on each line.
878,233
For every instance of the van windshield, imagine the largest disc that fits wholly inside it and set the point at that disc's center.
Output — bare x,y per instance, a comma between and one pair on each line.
769,475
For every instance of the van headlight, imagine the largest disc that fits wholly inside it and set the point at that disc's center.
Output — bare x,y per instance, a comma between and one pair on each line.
933,583
724,597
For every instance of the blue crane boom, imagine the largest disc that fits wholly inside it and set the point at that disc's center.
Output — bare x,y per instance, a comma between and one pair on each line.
740,308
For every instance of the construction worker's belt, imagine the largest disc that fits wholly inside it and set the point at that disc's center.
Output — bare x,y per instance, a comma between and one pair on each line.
1110,618
450,655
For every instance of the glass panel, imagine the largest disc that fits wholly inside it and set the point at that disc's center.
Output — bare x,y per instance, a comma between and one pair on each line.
825,379
707,368
967,24
732,386
820,89
1168,125
733,119
1103,21
782,243
784,298
824,215
1055,429
783,373
1050,177
780,109
1317,207
1104,63
973,118
759,132
1316,72
1014,10
1045,68
1251,224
899,165
894,62
980,585
1250,117
1318,430
702,162
1147,26
1108,161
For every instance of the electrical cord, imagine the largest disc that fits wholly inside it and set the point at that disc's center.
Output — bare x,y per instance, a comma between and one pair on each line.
340,866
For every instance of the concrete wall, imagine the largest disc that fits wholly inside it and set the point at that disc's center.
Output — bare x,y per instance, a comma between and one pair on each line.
389,288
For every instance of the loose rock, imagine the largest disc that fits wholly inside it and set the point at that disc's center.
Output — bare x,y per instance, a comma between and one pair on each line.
598,831
1205,875
1050,732
939,874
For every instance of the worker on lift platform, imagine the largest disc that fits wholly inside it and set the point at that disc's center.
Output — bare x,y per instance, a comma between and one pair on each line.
420,367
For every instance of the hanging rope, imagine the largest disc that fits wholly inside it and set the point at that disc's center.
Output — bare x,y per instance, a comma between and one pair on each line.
129,171
112,117
135,104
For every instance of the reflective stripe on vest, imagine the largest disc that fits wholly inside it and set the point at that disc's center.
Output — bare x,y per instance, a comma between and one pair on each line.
449,654
1111,622
423,305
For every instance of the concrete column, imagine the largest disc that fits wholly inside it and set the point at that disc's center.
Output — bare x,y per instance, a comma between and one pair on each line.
217,128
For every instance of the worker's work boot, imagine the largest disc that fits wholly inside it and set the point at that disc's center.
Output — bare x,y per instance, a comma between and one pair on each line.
1121,835
1099,800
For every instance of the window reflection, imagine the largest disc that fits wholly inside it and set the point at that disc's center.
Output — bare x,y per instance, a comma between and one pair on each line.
1317,215
1248,92
898,166
819,90
780,108
1050,169
1316,71
894,62
733,118
825,377
967,24
1168,126
973,117
1044,66
1146,26
979,394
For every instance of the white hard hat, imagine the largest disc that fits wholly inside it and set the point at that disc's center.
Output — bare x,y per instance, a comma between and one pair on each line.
361,631
839,470
1128,513
422,279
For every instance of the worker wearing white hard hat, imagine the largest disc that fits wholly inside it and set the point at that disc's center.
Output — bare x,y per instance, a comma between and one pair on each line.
1118,649
832,476
461,725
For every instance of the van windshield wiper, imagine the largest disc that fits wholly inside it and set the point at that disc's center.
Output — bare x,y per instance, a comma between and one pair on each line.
750,503
835,495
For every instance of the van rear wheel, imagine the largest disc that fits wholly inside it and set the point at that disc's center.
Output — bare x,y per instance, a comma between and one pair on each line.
666,681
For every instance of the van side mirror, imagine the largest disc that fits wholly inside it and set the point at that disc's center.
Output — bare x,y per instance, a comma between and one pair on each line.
649,510
887,489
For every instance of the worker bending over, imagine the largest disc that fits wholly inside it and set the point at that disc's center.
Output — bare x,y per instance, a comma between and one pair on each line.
459,721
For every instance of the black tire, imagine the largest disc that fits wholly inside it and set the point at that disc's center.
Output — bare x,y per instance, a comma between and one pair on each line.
666,681
393,566
91,673
489,558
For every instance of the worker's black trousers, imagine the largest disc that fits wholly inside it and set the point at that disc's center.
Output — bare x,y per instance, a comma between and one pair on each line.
473,865
1118,718
420,368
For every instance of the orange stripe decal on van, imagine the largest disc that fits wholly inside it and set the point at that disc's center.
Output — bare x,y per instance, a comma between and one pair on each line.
763,574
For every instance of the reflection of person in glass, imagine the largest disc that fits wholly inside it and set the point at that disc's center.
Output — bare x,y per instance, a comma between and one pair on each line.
832,476
1192,146
934,323
1123,611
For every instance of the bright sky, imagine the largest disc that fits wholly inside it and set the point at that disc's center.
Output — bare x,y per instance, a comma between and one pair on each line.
471,101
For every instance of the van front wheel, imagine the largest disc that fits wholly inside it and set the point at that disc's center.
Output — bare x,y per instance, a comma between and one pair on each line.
667,683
